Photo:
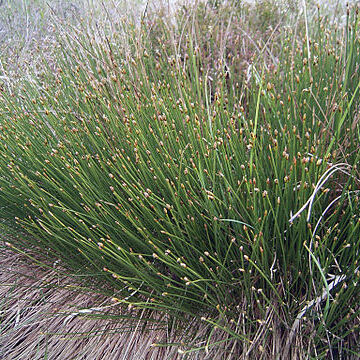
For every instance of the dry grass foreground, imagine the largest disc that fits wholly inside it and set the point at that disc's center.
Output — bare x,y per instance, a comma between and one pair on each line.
38,321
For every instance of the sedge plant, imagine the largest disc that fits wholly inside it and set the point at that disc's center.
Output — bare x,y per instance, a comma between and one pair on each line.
194,188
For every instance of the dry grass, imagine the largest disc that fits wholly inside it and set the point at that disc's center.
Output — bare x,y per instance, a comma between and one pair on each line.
38,321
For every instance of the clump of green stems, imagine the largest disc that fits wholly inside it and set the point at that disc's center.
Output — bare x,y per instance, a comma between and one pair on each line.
183,189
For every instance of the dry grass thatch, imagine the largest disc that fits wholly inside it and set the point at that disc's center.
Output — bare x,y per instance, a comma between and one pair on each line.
40,319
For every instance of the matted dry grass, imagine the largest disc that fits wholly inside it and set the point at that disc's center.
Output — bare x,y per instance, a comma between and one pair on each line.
40,319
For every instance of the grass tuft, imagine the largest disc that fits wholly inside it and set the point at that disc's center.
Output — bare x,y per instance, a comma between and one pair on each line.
167,158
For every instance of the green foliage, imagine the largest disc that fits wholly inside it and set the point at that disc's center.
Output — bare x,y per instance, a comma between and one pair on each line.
175,175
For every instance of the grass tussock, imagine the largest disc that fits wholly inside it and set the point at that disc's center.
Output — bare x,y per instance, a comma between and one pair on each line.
198,167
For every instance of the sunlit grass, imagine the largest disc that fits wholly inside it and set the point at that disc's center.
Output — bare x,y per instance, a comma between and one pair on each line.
194,182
